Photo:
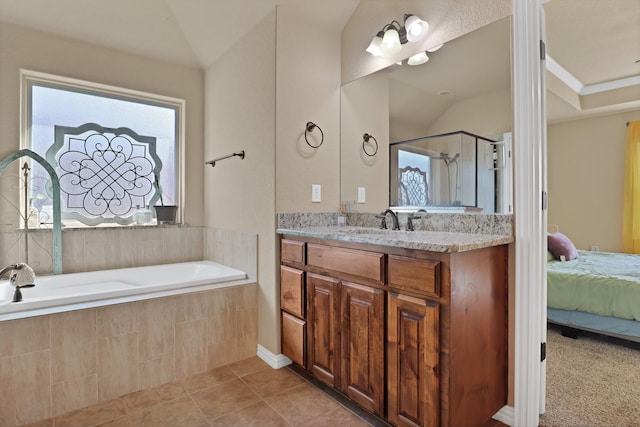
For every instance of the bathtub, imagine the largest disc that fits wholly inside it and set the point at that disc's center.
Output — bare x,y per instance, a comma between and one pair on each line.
74,291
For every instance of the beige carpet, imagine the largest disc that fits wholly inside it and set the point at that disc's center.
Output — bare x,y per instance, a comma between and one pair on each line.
591,382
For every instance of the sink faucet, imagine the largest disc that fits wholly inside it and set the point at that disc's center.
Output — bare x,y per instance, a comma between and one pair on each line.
383,217
413,216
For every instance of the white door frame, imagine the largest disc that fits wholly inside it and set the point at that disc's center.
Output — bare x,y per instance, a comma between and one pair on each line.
529,215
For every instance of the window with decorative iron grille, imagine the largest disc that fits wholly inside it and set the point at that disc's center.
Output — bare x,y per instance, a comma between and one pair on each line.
116,151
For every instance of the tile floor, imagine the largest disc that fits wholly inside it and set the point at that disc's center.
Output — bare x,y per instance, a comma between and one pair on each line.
245,393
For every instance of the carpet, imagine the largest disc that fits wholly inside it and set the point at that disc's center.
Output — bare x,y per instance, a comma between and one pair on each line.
593,381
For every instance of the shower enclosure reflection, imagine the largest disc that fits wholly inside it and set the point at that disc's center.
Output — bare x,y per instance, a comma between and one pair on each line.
451,171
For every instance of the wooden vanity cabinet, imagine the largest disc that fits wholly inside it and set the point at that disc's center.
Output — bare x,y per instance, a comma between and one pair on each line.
363,345
418,338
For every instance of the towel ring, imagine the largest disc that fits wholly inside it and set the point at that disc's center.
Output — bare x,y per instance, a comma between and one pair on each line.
310,127
365,140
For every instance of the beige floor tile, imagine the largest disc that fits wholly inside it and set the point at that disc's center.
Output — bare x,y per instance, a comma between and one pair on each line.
338,417
93,415
147,398
258,415
42,423
208,379
225,398
182,412
248,366
302,403
120,422
272,381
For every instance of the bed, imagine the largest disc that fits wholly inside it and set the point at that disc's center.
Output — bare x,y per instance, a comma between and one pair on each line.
597,291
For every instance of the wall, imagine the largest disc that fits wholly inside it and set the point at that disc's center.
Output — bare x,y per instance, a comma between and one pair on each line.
37,51
486,115
586,174
365,109
307,89
240,194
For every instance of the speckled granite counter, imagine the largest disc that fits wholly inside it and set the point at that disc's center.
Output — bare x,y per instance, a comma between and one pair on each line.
435,241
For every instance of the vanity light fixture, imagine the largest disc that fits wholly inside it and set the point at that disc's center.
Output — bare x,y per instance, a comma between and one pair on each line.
390,39
415,27
435,48
418,59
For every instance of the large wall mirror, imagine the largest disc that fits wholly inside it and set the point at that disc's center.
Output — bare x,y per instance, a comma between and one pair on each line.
442,129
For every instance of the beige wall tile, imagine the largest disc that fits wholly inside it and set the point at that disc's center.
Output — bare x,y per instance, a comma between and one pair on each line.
73,253
194,243
155,372
116,319
191,348
173,245
156,327
222,353
7,397
222,326
24,335
99,249
30,387
150,246
74,394
223,299
117,366
40,252
192,306
73,344
236,249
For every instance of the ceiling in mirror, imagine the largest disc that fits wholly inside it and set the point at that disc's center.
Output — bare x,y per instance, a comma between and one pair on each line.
462,69
593,53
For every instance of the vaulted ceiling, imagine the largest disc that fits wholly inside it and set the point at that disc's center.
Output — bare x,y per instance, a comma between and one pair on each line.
593,46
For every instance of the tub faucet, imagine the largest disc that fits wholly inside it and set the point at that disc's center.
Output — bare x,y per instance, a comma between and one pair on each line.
9,272
383,217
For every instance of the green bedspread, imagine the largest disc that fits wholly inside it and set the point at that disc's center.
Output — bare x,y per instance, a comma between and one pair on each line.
602,283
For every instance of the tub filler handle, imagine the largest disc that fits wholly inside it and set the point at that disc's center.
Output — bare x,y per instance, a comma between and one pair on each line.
17,295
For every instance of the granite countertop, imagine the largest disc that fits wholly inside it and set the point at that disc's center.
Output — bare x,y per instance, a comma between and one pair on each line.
435,241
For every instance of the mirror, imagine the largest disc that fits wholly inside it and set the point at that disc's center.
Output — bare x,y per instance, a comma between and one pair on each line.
464,93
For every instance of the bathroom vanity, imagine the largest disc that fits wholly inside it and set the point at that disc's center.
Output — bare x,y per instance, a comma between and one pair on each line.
410,325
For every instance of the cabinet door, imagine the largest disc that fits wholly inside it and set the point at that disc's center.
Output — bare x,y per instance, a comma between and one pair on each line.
293,338
412,361
323,320
363,345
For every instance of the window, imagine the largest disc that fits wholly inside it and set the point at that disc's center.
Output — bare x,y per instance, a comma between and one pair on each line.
113,149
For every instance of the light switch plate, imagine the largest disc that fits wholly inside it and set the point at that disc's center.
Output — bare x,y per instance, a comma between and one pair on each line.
316,195
362,195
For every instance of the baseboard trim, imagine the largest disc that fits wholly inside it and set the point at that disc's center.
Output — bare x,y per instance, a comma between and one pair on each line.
505,415
276,361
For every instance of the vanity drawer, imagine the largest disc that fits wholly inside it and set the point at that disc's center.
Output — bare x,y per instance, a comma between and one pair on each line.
369,265
415,274
292,290
292,251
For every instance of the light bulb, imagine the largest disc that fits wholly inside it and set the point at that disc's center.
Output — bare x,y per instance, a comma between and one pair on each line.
391,42
418,58
433,49
376,43
416,27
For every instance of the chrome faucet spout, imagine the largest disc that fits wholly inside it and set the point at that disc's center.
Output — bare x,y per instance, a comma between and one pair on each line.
9,269
394,218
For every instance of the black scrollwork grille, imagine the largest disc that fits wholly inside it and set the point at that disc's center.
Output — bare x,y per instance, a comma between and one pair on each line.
413,187
104,172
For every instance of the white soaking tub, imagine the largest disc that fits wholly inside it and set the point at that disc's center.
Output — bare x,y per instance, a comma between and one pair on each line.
66,292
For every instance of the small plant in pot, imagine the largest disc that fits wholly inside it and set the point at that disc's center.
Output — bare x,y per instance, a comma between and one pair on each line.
165,214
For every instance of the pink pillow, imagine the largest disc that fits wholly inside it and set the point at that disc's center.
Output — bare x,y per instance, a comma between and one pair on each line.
559,244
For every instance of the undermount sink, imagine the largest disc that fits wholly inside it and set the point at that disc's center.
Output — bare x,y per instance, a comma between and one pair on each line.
368,231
